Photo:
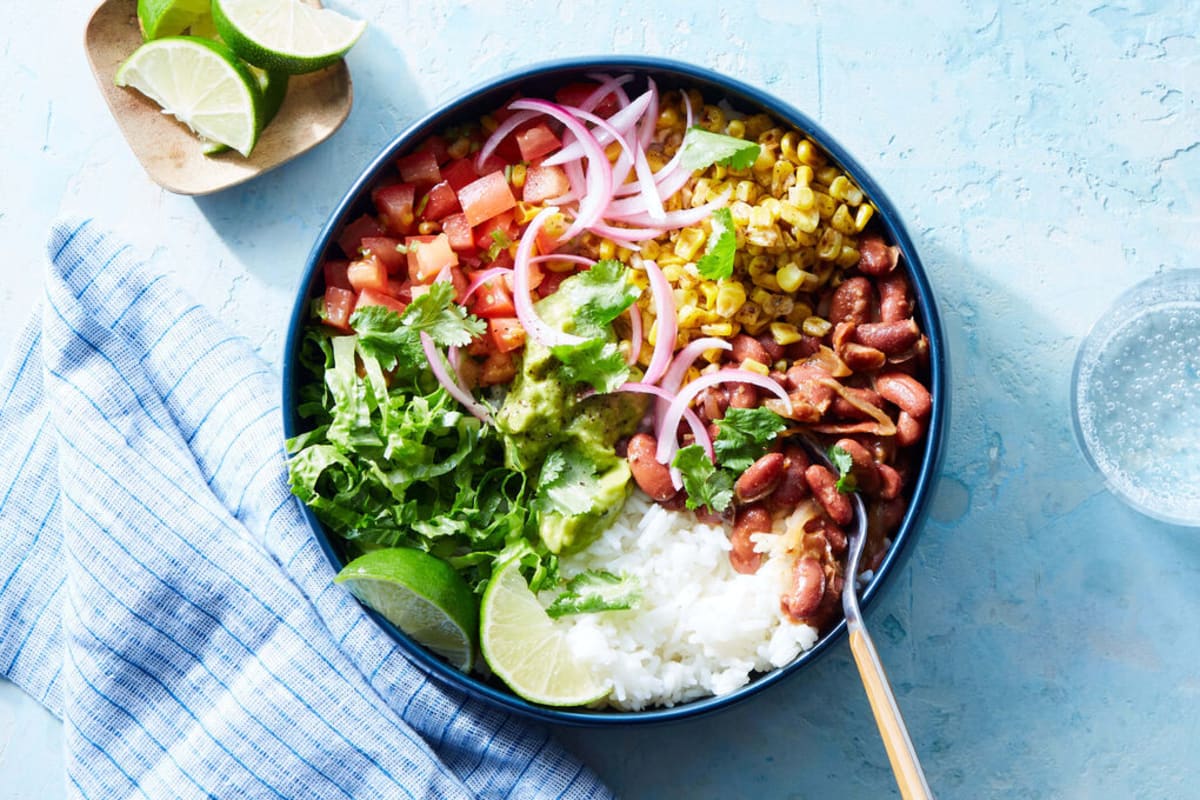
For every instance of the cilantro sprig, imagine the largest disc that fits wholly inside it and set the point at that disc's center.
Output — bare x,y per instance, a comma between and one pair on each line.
702,149
744,435
717,262
844,464
596,590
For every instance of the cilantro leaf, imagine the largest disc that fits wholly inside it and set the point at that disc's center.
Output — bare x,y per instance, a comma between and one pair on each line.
567,483
703,148
597,362
706,485
717,262
596,590
843,463
743,436
393,338
600,295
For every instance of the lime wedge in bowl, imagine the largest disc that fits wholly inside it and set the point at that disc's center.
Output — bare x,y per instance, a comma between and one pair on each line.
528,650
285,35
421,595
159,18
202,84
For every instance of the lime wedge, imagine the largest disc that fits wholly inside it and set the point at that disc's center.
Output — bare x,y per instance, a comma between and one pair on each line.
159,18
202,84
421,595
528,650
285,35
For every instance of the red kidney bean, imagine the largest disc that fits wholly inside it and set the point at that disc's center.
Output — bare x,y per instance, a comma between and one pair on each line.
851,301
824,487
807,587
652,477
891,482
760,478
906,392
909,429
746,346
712,403
802,348
893,298
749,520
892,338
793,487
860,358
875,257
774,349
843,408
743,395
866,473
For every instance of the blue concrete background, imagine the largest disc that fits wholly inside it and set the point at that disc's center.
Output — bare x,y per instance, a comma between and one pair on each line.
1042,640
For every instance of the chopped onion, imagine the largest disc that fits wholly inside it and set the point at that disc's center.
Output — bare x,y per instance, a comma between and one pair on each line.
482,278
671,170
671,219
699,432
684,359
650,118
451,386
615,128
668,327
598,192
540,331
626,234
669,421
504,129
635,334
608,85
574,259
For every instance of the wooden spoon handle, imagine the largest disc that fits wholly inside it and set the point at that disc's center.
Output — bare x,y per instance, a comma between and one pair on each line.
907,768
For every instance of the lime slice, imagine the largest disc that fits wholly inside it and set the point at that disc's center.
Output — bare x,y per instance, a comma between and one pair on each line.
285,35
273,86
202,84
528,650
159,18
421,595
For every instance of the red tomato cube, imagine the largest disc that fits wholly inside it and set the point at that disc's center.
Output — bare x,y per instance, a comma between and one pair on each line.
384,249
370,297
486,234
367,273
335,273
459,173
542,183
574,94
537,141
339,304
493,299
420,168
428,256
440,202
493,163
552,230
507,333
485,198
352,235
438,146
458,231
395,206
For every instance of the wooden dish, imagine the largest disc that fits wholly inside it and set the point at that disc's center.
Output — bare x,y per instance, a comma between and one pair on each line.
316,105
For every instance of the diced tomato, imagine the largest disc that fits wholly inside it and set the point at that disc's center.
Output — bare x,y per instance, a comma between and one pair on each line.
485,198
458,279
458,231
401,290
542,183
537,141
395,206
550,283
384,249
339,303
552,230
440,202
493,299
335,273
438,146
367,273
503,223
507,333
352,235
504,112
429,255
459,173
370,297
481,346
573,94
493,163
508,151
420,168
497,368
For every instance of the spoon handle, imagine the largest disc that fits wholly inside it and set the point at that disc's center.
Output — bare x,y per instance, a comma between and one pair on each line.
907,768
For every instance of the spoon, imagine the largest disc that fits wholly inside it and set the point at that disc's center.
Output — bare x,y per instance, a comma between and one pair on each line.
903,757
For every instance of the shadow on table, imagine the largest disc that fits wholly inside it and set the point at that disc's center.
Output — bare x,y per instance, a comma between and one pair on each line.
386,100
1020,637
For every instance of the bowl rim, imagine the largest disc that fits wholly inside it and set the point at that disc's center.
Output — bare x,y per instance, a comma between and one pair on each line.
889,217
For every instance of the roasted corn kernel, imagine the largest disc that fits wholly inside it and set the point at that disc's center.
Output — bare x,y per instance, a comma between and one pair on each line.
731,296
724,329
756,367
816,326
517,176
688,243
784,333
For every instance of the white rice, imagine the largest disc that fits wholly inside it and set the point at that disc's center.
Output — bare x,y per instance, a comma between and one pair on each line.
700,629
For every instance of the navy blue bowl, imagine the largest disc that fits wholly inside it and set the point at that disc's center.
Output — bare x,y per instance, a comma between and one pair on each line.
542,80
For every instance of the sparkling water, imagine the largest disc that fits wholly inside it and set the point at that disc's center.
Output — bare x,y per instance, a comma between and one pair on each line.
1137,393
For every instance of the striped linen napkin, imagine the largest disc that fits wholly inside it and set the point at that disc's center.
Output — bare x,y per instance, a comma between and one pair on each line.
160,591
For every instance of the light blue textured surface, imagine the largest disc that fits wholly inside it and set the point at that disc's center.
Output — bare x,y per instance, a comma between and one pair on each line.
1042,638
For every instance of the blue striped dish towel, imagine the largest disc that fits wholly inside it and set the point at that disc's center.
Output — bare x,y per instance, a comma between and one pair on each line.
160,591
